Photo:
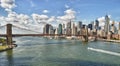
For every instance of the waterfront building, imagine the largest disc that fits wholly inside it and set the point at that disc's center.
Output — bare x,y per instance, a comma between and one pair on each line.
60,29
90,26
119,26
68,29
79,27
93,25
80,24
63,26
69,24
107,20
46,29
113,28
56,31
63,29
84,30
101,33
96,24
83,26
74,31
51,31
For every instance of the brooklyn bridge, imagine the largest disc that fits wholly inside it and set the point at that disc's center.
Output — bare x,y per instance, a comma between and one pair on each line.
9,28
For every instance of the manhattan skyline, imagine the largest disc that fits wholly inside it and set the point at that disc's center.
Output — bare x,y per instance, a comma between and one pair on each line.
34,12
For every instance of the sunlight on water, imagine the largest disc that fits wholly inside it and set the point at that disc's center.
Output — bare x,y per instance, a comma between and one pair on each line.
104,51
36,51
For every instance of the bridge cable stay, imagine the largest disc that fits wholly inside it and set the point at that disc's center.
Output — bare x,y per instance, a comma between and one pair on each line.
25,29
2,26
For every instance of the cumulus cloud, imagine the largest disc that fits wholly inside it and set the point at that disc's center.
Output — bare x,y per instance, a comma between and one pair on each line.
42,18
7,4
69,16
35,21
45,11
101,19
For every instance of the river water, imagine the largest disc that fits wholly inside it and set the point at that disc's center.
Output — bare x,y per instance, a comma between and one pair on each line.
36,51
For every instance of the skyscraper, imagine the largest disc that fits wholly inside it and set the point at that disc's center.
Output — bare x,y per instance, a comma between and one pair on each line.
47,29
96,24
60,29
113,28
80,24
51,31
119,26
68,29
79,27
63,29
90,26
107,20
73,29
93,25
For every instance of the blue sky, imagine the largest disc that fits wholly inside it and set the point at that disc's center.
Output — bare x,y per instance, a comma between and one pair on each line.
85,9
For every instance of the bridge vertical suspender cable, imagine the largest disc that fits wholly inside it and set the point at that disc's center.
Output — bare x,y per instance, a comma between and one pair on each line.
25,29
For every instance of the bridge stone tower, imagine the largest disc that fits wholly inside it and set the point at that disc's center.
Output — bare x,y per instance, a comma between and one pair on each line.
9,34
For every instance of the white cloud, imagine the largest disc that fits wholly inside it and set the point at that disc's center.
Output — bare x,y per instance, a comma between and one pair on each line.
38,19
101,19
69,16
70,12
32,3
7,4
51,19
45,11
66,6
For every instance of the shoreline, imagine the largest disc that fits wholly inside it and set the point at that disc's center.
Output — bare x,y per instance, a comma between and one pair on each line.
5,48
109,40
79,38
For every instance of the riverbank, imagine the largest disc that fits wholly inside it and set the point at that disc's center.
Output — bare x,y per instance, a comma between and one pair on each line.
109,40
7,47
3,48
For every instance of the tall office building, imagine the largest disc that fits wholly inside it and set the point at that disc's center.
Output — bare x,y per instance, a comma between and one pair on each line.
68,29
113,28
79,27
69,25
56,31
51,31
107,20
63,29
90,26
46,29
73,28
96,24
79,24
60,29
119,26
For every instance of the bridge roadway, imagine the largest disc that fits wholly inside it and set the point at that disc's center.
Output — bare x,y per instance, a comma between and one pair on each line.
18,35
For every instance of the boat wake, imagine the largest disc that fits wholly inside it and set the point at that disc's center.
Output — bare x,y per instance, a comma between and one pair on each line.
104,51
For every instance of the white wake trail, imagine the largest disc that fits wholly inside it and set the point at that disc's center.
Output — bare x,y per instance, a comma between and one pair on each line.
104,51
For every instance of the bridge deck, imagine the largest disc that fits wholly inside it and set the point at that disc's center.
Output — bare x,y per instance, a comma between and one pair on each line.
17,35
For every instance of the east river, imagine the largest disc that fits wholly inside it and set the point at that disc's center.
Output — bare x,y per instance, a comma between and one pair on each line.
36,51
